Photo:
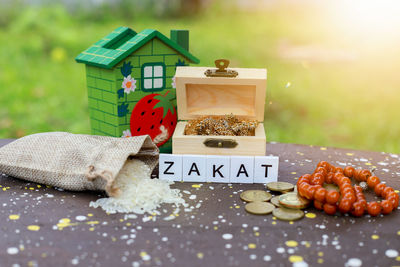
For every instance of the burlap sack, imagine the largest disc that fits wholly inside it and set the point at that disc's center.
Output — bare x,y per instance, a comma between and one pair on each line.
73,161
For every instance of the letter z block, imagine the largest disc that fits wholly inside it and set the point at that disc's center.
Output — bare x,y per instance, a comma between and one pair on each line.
170,167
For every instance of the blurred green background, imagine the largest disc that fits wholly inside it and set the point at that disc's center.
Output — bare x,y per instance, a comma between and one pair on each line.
333,67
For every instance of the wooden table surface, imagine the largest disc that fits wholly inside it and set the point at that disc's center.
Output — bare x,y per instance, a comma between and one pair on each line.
44,226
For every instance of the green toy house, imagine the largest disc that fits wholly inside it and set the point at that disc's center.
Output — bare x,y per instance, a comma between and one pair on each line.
130,81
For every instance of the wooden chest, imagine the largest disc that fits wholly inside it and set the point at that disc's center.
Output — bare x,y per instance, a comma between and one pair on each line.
200,95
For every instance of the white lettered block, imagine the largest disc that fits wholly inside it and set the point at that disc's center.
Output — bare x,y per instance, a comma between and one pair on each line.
266,169
194,168
170,167
218,169
242,169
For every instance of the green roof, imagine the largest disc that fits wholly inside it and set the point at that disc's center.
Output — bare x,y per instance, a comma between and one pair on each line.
120,43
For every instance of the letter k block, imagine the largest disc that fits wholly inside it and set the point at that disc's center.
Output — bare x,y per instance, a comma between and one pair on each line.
218,168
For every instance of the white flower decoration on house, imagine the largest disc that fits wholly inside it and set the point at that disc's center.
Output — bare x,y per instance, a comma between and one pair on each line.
129,84
126,133
173,82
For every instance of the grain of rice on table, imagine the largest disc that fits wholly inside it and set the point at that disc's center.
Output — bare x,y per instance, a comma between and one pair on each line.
137,192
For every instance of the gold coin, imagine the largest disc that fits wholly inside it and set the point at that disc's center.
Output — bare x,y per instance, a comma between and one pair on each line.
293,201
331,187
255,195
259,208
275,201
287,214
280,186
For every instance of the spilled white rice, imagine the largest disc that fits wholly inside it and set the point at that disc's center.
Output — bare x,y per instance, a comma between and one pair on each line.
138,193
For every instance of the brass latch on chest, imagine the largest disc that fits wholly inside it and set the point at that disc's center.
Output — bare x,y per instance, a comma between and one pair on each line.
222,70
220,143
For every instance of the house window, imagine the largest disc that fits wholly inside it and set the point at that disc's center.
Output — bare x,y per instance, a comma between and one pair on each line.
153,76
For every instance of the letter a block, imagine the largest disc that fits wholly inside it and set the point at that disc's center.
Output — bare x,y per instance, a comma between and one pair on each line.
170,167
242,169
218,169
194,168
266,169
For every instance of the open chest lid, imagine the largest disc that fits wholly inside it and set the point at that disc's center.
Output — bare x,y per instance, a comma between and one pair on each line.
242,94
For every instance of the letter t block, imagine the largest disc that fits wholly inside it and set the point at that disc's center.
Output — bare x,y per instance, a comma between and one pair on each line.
266,169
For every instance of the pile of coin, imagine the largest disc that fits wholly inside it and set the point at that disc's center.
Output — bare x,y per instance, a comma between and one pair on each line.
287,206
257,202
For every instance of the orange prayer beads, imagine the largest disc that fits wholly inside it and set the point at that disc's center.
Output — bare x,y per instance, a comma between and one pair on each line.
351,199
